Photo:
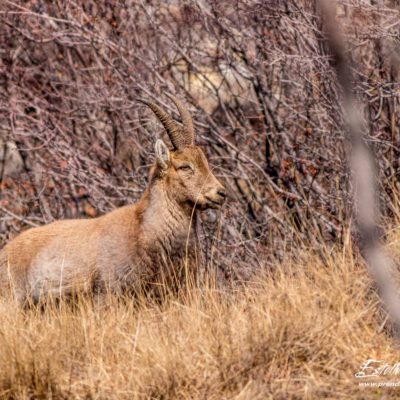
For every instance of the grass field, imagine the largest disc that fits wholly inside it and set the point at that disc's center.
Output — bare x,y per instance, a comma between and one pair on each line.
301,331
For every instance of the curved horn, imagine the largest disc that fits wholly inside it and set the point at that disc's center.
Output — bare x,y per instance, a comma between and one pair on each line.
187,121
172,128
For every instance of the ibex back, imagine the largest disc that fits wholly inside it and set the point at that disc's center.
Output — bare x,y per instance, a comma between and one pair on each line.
126,248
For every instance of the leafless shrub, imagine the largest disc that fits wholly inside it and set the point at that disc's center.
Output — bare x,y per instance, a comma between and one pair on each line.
259,82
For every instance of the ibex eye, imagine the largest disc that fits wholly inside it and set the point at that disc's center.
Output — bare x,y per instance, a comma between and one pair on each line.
185,168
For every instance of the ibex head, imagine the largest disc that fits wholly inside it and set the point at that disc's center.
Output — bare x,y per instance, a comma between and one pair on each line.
185,169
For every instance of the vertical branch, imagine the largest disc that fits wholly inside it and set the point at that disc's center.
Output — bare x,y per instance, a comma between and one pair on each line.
363,174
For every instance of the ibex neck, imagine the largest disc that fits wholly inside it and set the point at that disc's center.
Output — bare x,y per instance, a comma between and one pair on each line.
164,221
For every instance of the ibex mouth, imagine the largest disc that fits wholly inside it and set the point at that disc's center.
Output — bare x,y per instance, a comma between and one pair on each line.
214,203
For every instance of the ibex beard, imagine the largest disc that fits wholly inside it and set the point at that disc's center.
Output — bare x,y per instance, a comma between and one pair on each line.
130,247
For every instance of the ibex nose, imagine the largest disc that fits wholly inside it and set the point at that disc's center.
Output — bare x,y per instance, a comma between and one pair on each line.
222,193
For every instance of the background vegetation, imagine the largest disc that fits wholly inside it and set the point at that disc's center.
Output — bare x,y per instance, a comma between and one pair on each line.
257,78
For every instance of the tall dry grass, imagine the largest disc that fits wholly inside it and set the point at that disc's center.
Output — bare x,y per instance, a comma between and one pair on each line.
301,331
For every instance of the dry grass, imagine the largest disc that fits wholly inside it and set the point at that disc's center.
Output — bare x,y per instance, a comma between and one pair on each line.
299,332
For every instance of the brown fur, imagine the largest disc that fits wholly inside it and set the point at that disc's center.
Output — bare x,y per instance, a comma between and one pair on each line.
124,249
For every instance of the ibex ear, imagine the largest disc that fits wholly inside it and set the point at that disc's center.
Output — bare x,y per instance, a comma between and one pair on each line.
162,154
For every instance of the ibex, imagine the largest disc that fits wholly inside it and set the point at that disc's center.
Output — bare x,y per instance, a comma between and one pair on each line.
128,247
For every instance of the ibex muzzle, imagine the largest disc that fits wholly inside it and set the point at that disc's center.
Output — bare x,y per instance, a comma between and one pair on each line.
129,248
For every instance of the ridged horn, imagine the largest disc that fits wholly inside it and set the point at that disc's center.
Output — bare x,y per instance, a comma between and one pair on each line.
173,129
187,121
